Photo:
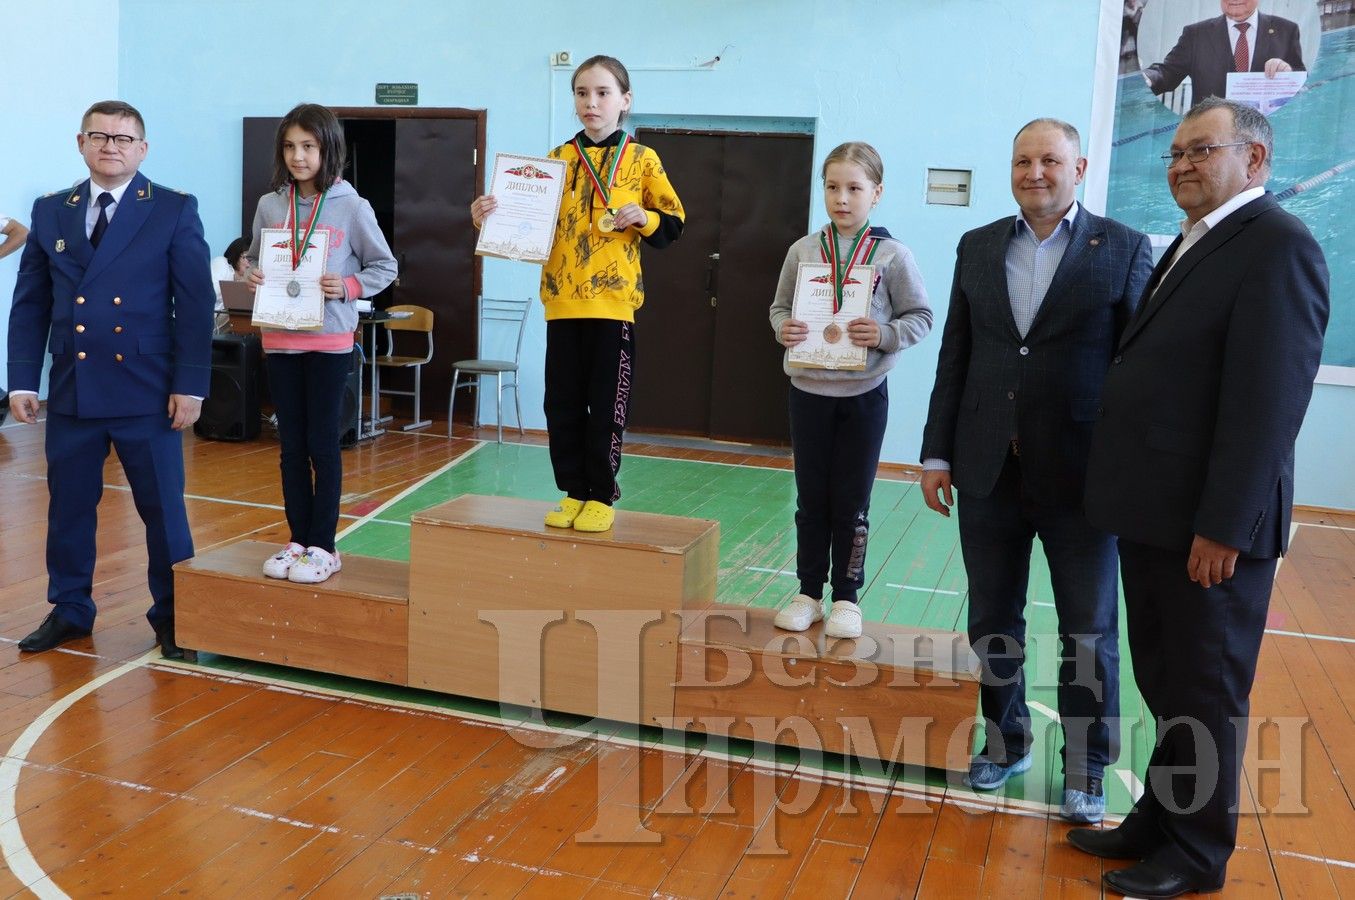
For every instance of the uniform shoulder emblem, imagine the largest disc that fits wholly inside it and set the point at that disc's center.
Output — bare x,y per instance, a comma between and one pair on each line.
154,186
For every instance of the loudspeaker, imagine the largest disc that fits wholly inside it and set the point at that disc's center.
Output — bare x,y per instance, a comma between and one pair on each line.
350,417
230,411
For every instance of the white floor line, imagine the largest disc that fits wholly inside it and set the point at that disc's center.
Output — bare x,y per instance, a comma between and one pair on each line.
1131,784
1311,637
1318,859
960,795
782,572
13,848
923,590
1042,603
20,860
371,516
230,807
1293,530
1320,525
12,845
272,506
1044,711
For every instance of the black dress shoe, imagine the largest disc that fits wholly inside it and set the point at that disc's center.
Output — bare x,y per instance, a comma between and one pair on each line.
1108,843
53,632
164,636
1152,881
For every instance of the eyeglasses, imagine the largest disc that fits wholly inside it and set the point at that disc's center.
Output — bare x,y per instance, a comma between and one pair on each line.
122,141
1197,154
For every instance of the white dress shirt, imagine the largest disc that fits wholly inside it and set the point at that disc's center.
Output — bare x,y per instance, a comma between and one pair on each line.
1192,234
92,208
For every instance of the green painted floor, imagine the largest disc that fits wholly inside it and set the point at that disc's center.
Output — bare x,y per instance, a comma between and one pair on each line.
914,575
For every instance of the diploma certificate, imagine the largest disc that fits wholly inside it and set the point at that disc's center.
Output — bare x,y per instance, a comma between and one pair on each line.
290,298
827,346
528,190
1266,94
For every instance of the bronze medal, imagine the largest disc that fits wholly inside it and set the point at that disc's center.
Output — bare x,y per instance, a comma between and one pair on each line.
833,333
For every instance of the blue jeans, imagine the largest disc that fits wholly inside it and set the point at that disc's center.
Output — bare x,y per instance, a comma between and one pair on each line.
996,537
307,390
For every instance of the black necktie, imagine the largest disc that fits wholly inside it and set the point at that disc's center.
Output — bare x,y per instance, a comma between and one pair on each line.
101,224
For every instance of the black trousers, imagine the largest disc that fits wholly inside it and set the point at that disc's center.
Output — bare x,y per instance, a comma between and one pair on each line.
1194,652
589,367
307,390
836,442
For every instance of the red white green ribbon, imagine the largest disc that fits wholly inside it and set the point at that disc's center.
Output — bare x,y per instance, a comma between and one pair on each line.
299,246
601,185
861,247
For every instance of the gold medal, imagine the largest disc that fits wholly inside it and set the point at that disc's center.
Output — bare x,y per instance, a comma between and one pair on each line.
607,223
833,333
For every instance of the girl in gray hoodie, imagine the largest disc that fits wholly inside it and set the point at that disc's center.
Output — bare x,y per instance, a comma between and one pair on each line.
307,369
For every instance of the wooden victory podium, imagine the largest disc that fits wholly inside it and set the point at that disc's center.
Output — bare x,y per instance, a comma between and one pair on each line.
621,625
574,611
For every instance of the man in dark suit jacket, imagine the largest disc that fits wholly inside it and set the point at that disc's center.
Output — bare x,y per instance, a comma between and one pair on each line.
1036,305
1192,466
114,281
1207,51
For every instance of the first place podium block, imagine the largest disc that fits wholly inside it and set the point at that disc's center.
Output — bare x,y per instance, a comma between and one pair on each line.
504,608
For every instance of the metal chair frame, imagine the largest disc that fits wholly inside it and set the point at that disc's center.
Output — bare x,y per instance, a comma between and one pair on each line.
476,370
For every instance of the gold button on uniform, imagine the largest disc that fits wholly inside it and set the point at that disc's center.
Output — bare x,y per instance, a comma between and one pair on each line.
117,301
79,300
79,329
117,329
80,355
118,357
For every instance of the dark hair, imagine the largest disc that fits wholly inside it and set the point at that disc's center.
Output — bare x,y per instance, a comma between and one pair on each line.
1068,130
611,64
323,125
236,250
1249,123
118,110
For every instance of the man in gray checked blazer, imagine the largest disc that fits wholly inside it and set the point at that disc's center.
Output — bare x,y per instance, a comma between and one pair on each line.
1037,304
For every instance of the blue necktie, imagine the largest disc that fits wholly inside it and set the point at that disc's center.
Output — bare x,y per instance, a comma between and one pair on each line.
101,224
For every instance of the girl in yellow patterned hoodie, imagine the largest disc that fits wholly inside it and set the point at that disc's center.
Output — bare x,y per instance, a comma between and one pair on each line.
617,195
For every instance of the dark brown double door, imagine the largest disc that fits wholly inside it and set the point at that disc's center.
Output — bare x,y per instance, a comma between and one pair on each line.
708,364
419,169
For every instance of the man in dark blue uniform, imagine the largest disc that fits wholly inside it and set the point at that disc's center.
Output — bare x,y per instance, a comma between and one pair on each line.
115,282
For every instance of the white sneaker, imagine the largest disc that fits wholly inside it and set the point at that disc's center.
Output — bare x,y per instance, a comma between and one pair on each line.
844,621
315,566
281,562
801,612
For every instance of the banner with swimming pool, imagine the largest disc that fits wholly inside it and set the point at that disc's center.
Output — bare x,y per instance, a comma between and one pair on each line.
1298,57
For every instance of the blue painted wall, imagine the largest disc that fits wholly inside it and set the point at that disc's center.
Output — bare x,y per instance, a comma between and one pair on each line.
934,83
41,104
